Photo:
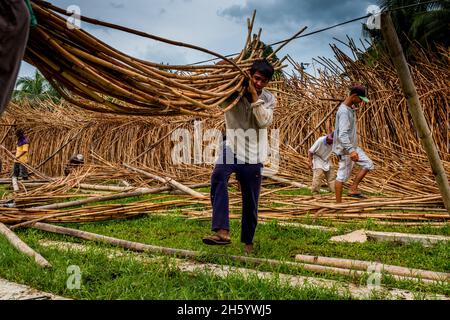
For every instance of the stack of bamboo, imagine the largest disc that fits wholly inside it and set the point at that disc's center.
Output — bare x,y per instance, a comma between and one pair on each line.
306,110
49,201
94,76
384,124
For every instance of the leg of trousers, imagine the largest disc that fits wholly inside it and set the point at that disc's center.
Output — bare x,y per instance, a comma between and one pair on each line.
23,172
16,170
14,28
317,180
331,179
250,177
219,196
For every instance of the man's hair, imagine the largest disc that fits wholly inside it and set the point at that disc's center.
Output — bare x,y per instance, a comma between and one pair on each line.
358,89
20,132
263,67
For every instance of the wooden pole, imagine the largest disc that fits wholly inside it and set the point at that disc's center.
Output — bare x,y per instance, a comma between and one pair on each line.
22,246
170,181
415,108
141,247
134,246
407,238
285,181
138,192
364,265
15,184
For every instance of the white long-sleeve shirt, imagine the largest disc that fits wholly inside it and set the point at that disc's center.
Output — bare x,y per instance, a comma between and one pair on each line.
321,152
246,125
345,138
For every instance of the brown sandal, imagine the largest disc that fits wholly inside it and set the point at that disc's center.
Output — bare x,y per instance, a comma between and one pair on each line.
216,239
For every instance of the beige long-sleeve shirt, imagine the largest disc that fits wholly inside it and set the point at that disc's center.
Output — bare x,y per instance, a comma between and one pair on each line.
246,125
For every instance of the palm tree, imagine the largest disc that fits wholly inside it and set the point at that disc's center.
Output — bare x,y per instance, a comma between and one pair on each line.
426,23
431,26
35,88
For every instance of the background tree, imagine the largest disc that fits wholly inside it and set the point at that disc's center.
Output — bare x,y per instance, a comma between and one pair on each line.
35,88
427,24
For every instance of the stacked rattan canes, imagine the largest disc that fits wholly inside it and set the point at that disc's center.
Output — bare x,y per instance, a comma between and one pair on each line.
92,75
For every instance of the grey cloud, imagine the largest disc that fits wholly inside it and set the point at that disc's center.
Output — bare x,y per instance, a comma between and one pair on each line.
117,5
288,13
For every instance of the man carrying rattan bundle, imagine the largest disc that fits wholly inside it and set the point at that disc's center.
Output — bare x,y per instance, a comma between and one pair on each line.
345,144
243,153
15,18
319,163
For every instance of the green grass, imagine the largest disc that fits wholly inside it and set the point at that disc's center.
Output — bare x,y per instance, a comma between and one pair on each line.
127,279
296,192
124,278
3,190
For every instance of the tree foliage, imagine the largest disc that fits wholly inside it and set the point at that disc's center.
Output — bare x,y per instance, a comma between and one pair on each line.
426,23
35,88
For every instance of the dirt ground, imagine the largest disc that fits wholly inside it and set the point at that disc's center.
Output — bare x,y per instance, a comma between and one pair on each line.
14,291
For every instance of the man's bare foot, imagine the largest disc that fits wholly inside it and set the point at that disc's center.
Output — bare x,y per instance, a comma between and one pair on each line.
223,233
221,237
249,248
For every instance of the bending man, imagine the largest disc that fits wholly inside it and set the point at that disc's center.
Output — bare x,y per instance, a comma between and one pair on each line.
319,163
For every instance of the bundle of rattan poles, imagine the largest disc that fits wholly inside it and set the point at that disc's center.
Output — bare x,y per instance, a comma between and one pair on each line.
384,124
94,76
57,132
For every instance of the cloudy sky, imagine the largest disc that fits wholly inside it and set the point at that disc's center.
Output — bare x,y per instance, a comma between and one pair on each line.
218,25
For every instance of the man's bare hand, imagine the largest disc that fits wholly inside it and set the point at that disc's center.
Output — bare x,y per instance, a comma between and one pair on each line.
252,91
354,156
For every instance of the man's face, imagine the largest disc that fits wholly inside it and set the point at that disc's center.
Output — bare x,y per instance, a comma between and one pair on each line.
356,101
259,81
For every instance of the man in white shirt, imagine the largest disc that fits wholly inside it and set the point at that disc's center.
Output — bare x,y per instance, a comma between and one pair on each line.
243,153
319,162
345,144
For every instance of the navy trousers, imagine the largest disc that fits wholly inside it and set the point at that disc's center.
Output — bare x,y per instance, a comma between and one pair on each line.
249,177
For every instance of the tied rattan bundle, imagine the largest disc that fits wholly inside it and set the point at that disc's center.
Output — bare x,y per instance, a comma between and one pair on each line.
92,75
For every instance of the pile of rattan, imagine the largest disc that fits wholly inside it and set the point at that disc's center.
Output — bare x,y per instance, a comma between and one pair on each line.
51,199
304,113
306,108
94,76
